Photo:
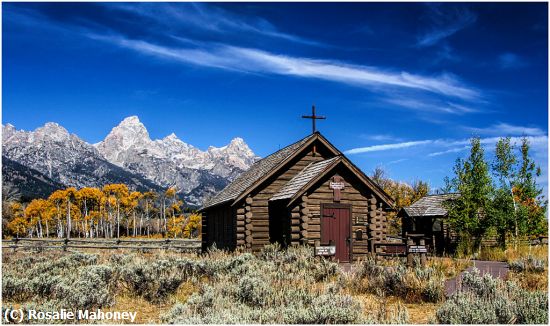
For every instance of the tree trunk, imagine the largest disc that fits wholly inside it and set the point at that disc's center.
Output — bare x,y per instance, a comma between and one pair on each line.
118,220
68,218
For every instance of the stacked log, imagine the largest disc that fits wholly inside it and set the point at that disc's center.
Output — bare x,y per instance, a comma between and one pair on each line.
373,211
241,226
204,234
377,222
304,219
295,225
248,226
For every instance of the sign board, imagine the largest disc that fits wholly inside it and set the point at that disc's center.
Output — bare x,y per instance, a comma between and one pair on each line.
360,219
325,251
418,249
337,185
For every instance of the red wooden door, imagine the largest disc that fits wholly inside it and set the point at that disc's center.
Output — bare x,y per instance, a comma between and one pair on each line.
336,229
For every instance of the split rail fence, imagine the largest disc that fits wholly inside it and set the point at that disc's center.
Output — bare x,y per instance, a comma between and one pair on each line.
180,245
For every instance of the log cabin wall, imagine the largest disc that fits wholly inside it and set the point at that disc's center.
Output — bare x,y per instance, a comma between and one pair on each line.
367,214
260,197
219,228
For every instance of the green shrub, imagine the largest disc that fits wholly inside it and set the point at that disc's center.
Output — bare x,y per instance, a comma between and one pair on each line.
155,280
528,264
486,300
418,284
15,288
88,290
254,290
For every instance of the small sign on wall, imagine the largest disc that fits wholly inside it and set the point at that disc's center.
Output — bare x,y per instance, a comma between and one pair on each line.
337,185
325,250
418,249
360,219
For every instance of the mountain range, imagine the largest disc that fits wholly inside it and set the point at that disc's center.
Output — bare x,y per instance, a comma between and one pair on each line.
40,161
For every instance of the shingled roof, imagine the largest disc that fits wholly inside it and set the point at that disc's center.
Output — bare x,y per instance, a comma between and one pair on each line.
256,171
303,178
431,205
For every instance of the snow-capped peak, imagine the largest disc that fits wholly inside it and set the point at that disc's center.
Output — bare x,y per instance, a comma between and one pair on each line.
172,137
169,161
129,143
51,131
131,120
129,132
7,130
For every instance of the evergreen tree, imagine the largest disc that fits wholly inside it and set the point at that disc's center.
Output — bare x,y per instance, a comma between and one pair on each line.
469,213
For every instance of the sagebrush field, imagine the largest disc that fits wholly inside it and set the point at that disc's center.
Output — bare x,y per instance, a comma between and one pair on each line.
275,286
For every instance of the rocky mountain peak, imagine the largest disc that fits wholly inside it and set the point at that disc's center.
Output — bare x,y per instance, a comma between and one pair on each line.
239,144
172,138
128,155
131,128
129,134
8,130
51,131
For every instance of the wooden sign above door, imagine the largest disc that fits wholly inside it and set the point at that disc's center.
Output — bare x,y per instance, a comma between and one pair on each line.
337,184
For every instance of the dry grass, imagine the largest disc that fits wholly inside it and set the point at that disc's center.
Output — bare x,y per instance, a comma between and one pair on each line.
422,313
513,253
450,267
380,307
419,313
147,312
530,281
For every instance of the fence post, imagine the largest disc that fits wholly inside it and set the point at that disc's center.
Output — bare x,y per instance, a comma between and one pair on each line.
65,244
423,254
410,242
16,241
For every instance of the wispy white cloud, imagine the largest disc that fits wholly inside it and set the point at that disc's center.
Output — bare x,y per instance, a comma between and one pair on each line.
446,21
397,161
386,147
431,105
258,61
381,137
537,142
196,51
452,150
211,18
510,60
507,130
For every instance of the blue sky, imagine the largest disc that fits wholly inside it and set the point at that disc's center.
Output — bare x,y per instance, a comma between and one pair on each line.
404,85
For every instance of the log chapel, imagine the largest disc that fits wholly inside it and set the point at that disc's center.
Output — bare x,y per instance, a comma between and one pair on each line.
306,193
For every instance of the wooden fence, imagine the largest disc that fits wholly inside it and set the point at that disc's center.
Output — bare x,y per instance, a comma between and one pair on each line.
180,245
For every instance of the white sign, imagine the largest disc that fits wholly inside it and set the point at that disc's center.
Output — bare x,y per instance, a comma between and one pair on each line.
325,251
418,249
337,185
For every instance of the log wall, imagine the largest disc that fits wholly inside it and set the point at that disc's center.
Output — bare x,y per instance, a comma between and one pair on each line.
218,227
260,204
367,213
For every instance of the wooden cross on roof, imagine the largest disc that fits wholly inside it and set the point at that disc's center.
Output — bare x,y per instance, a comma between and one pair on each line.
313,117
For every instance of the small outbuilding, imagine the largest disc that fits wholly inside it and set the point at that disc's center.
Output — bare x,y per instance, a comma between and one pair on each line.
306,193
428,217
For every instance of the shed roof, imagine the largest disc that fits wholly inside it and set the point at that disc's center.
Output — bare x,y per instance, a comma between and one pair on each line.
431,205
303,178
256,171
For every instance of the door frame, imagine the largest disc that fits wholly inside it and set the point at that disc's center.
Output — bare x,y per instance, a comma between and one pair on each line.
339,205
